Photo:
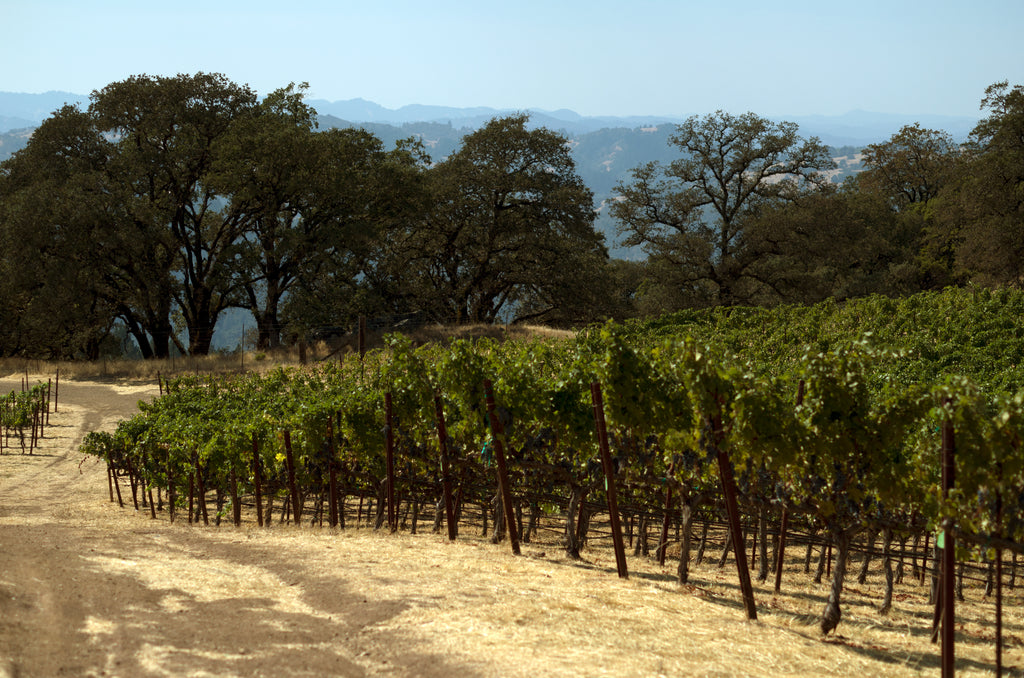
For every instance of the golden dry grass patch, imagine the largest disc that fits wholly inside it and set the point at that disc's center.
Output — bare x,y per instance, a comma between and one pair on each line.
474,603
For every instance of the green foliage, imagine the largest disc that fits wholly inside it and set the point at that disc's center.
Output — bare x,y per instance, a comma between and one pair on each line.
860,448
693,212
509,229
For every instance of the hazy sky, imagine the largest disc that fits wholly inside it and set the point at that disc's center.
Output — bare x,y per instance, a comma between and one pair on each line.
596,57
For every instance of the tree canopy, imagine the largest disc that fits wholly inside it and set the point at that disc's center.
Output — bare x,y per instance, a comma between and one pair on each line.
169,200
509,230
693,213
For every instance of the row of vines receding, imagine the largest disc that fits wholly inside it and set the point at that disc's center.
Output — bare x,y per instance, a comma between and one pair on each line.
837,442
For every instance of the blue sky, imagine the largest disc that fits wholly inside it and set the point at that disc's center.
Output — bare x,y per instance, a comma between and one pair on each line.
644,57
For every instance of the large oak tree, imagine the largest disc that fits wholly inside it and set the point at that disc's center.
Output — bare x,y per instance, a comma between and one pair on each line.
691,215
510,232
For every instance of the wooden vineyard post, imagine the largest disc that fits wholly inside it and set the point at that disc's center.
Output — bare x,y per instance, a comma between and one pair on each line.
131,481
341,467
999,582
362,337
446,475
290,460
171,495
948,553
117,487
191,493
56,390
780,557
152,506
49,391
257,480
498,440
732,509
924,560
201,488
663,543
333,471
609,474
236,508
389,458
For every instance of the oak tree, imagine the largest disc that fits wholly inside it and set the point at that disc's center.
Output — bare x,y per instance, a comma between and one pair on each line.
511,227
692,214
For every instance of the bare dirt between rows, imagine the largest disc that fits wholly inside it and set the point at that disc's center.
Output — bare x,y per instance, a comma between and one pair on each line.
76,598
91,589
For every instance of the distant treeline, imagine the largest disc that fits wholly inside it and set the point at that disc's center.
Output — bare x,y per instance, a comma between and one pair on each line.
170,200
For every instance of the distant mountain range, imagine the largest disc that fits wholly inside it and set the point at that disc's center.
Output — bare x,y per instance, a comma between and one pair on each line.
856,128
20,110
606,149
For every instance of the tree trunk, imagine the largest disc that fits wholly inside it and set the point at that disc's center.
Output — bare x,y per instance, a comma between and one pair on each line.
641,537
900,566
438,515
832,614
270,509
382,488
268,327
866,563
684,548
776,543
703,542
915,571
572,547
531,526
887,564
519,522
933,589
499,519
583,522
762,544
725,550
139,334
821,561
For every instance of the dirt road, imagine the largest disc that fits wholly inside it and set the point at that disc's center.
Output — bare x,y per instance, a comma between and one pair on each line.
89,589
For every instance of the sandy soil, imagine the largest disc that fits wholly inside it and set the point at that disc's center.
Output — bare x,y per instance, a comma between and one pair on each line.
91,589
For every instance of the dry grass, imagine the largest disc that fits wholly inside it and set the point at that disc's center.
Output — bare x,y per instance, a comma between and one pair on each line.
475,605
259,361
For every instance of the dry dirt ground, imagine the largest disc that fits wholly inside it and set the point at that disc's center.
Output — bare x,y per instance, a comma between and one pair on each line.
90,589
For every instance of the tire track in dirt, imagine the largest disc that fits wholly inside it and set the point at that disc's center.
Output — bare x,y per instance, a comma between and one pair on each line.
89,589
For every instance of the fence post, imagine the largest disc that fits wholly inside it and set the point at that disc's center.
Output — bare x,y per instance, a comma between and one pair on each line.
498,437
948,552
257,480
290,459
446,476
389,451
780,557
732,508
609,474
